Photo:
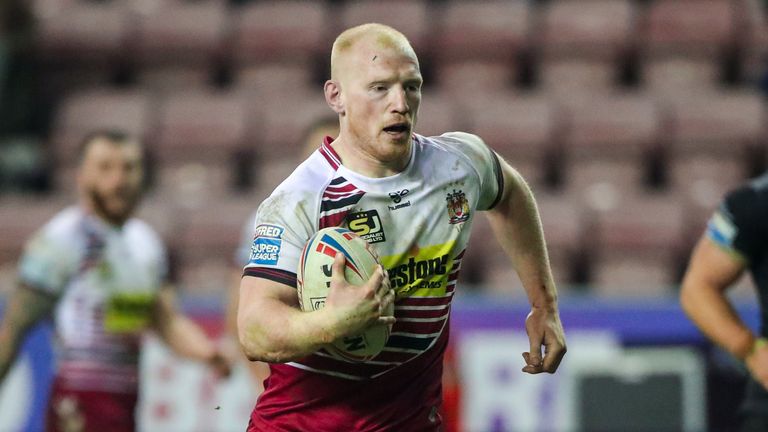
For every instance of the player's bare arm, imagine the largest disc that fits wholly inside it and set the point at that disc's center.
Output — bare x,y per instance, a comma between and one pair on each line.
183,336
25,307
710,272
272,328
515,220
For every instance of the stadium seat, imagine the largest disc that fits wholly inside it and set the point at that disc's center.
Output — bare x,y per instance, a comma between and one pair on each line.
610,138
712,136
753,39
84,112
275,79
207,244
20,217
438,113
487,265
164,216
637,241
474,79
93,34
675,75
78,45
522,128
287,31
180,45
689,27
587,28
582,44
281,133
483,30
200,125
407,16
198,138
700,32
692,173
568,79
717,121
562,219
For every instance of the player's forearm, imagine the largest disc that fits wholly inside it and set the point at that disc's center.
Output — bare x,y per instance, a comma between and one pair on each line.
517,226
187,339
714,315
24,308
9,347
278,333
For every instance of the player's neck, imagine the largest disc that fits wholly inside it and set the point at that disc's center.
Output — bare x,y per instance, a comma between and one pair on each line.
93,209
357,159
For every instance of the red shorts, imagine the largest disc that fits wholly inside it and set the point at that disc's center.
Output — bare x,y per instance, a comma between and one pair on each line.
90,411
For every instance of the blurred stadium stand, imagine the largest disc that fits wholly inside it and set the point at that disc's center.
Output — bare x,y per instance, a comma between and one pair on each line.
616,111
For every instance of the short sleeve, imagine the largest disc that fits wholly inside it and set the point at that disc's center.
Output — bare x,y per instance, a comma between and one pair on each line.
281,228
736,225
47,264
486,163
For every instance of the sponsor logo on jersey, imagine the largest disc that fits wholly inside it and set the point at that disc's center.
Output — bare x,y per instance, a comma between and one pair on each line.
367,225
423,273
267,242
417,274
128,312
397,197
458,207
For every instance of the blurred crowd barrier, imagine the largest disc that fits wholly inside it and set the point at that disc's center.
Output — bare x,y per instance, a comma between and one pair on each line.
639,365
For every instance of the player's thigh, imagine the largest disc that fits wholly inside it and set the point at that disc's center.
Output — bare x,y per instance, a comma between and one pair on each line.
84,411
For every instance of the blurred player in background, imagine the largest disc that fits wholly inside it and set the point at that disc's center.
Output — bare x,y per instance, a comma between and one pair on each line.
736,239
102,276
413,198
312,140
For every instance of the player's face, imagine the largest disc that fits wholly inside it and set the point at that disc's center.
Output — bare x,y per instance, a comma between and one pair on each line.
382,99
110,179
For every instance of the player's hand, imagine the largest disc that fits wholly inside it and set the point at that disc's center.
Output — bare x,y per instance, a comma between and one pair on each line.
544,328
358,307
221,363
757,362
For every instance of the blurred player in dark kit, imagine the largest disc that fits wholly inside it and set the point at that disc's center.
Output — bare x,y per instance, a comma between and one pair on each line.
736,239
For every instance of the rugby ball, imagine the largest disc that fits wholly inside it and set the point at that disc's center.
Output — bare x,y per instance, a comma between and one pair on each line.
314,281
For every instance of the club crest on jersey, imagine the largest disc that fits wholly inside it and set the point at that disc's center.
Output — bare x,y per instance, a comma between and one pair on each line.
458,207
267,242
367,225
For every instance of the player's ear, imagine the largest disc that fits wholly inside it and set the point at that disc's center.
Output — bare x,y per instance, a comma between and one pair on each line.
332,91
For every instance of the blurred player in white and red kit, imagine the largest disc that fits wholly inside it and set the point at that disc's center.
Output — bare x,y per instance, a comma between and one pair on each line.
102,275
414,199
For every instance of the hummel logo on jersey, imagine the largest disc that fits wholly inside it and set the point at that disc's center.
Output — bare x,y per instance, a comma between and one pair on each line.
397,196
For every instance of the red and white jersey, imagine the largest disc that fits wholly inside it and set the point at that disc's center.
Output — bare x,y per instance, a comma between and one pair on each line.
106,280
419,223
